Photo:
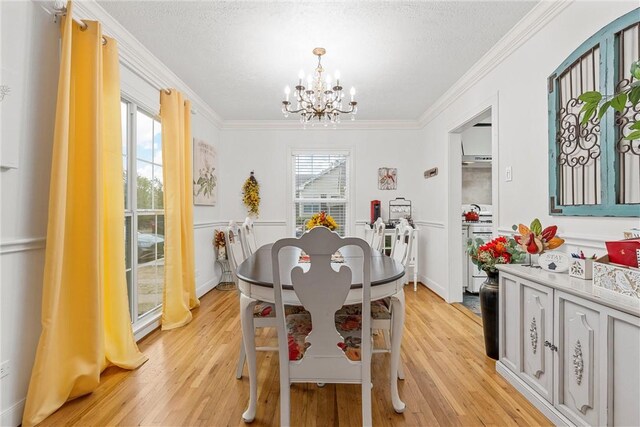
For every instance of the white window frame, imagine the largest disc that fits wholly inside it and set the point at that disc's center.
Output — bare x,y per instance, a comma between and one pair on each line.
349,199
138,322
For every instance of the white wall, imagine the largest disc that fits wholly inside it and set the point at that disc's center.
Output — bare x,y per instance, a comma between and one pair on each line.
266,153
30,66
520,83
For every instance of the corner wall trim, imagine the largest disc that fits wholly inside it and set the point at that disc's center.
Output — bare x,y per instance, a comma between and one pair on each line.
22,245
430,224
135,56
434,286
12,416
537,18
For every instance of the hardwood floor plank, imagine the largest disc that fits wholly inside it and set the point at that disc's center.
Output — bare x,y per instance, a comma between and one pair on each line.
190,378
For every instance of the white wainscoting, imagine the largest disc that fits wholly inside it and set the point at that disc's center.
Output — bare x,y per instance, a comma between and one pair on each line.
574,242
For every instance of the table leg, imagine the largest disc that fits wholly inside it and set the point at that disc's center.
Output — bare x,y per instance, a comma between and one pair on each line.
248,334
397,326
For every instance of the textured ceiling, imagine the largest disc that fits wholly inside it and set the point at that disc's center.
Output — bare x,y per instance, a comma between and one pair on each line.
400,56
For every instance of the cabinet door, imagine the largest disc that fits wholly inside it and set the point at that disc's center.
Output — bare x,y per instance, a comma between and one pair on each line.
536,304
577,337
509,313
623,369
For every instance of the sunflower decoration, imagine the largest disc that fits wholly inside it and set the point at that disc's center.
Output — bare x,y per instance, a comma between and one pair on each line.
322,219
251,195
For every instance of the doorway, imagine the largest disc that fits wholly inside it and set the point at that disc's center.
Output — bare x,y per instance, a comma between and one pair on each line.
460,272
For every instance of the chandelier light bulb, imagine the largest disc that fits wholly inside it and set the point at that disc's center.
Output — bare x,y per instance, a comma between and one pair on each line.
320,101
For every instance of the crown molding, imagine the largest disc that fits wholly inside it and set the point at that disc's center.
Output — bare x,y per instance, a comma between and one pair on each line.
135,56
537,18
285,124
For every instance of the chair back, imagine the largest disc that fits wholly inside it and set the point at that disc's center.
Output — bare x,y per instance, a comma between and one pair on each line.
322,289
377,238
235,252
249,237
402,242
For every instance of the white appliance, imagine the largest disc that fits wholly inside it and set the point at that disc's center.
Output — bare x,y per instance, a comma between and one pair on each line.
481,229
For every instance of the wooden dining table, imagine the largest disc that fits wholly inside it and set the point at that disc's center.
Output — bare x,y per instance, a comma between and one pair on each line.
255,282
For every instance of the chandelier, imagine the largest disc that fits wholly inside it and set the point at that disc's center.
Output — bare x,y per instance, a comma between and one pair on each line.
319,99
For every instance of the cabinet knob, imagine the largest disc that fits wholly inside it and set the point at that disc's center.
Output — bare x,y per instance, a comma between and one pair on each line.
551,346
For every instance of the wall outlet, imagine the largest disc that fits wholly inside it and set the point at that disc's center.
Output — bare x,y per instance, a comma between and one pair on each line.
4,369
508,174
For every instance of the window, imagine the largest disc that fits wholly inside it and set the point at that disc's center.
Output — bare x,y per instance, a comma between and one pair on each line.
320,183
593,169
144,209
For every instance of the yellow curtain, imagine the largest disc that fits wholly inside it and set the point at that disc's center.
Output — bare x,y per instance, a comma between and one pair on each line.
85,317
179,269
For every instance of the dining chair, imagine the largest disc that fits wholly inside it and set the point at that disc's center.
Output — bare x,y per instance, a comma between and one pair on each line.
377,235
249,237
263,312
320,346
402,243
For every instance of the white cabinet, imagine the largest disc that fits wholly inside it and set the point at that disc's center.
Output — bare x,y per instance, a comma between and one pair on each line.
574,355
536,304
578,364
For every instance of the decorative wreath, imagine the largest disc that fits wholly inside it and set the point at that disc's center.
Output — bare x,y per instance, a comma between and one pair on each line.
251,194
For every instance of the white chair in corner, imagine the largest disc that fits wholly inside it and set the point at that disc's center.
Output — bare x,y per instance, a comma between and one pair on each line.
377,235
249,236
263,313
323,352
402,242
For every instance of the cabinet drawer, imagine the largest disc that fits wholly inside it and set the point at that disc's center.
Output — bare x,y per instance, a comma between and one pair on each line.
578,360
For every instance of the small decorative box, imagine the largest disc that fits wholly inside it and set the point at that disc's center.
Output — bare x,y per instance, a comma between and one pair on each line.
610,278
581,268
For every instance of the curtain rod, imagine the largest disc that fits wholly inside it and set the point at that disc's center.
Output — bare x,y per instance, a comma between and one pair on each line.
62,11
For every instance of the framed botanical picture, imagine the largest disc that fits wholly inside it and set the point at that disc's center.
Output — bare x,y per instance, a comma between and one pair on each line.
387,178
205,173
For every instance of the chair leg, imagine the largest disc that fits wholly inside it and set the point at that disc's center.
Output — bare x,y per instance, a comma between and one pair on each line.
241,358
285,403
366,404
397,325
248,337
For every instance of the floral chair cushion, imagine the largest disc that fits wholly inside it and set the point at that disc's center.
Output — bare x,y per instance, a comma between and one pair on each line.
348,325
267,309
379,310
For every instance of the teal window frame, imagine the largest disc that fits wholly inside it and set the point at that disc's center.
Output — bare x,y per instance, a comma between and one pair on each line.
608,206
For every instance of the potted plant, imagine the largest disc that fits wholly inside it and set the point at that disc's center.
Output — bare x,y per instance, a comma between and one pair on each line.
486,255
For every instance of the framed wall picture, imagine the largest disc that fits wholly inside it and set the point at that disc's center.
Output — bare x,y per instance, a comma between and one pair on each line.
205,173
387,178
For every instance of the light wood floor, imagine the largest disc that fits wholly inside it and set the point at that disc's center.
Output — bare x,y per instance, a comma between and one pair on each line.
189,378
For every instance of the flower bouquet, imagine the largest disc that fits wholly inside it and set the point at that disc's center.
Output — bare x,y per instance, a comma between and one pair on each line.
501,250
220,244
322,219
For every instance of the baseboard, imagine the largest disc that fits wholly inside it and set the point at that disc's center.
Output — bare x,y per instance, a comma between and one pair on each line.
12,417
207,286
534,398
433,285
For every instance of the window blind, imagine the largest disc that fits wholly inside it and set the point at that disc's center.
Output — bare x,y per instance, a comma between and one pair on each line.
320,184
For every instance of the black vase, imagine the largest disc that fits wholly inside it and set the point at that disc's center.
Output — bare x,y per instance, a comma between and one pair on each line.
489,309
